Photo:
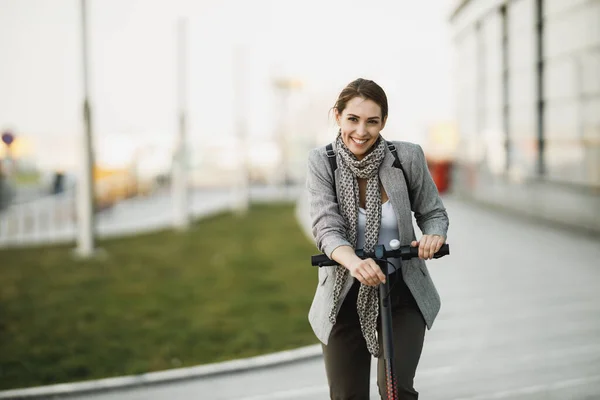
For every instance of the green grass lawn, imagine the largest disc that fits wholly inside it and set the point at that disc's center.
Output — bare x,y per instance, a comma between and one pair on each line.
231,287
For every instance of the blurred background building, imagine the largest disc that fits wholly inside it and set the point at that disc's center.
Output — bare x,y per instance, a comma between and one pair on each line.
527,84
504,95
275,99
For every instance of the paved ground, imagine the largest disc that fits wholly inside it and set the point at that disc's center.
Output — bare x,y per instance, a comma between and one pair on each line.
520,319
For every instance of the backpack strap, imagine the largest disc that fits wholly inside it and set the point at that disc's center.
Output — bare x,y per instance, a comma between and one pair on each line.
332,163
392,148
397,164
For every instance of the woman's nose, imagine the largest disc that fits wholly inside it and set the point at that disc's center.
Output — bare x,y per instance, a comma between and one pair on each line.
361,129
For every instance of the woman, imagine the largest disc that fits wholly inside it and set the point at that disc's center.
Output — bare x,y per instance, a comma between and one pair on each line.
366,202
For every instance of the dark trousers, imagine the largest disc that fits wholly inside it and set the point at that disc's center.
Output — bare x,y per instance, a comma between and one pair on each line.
347,360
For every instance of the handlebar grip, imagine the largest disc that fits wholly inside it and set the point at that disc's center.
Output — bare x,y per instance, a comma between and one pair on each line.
321,260
443,251
409,252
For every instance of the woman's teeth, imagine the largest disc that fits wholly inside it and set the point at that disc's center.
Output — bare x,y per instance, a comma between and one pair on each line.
359,141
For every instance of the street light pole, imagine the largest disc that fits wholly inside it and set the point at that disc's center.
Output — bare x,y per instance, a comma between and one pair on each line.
285,87
85,194
241,184
179,172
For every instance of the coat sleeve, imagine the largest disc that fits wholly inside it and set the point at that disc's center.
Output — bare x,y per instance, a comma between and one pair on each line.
430,213
328,225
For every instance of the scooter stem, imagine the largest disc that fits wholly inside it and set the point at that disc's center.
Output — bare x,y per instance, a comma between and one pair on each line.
385,309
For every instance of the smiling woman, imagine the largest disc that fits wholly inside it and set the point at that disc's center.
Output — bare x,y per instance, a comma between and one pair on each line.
350,215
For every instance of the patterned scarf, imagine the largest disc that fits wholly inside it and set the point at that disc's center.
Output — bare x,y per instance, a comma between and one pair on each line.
350,169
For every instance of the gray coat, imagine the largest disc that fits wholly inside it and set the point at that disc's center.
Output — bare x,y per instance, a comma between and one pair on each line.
329,227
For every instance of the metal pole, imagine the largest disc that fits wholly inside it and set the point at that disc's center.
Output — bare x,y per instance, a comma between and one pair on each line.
85,195
284,149
179,173
284,92
286,87
241,192
540,76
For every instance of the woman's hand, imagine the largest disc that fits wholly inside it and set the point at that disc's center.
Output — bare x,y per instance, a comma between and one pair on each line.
429,245
366,271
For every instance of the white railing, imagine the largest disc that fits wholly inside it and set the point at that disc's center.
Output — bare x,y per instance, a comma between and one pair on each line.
53,219
46,217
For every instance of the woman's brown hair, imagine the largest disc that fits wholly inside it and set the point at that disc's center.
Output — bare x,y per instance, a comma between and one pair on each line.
366,89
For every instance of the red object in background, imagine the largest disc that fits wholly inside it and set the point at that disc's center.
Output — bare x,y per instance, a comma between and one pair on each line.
440,172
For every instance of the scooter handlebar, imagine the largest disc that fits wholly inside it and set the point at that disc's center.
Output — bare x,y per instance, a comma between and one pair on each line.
403,252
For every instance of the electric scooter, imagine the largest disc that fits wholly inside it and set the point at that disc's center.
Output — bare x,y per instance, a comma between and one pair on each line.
380,255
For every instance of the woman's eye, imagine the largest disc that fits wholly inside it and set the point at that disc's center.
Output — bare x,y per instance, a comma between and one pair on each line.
372,121
354,119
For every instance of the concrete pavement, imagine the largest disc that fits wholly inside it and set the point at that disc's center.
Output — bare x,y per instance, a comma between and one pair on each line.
520,319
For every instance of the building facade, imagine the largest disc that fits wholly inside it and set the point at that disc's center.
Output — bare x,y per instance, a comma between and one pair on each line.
527,81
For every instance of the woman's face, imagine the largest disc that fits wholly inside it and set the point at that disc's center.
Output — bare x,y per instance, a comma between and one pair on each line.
360,123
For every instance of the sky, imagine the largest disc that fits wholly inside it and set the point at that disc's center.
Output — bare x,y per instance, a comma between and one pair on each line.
404,46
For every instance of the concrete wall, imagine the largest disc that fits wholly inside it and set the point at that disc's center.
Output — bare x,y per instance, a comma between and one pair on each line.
528,107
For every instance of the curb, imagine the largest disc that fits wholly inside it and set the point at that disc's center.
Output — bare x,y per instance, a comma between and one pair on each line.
200,371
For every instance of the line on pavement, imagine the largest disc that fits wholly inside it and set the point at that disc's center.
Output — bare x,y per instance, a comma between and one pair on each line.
290,394
534,389
324,389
